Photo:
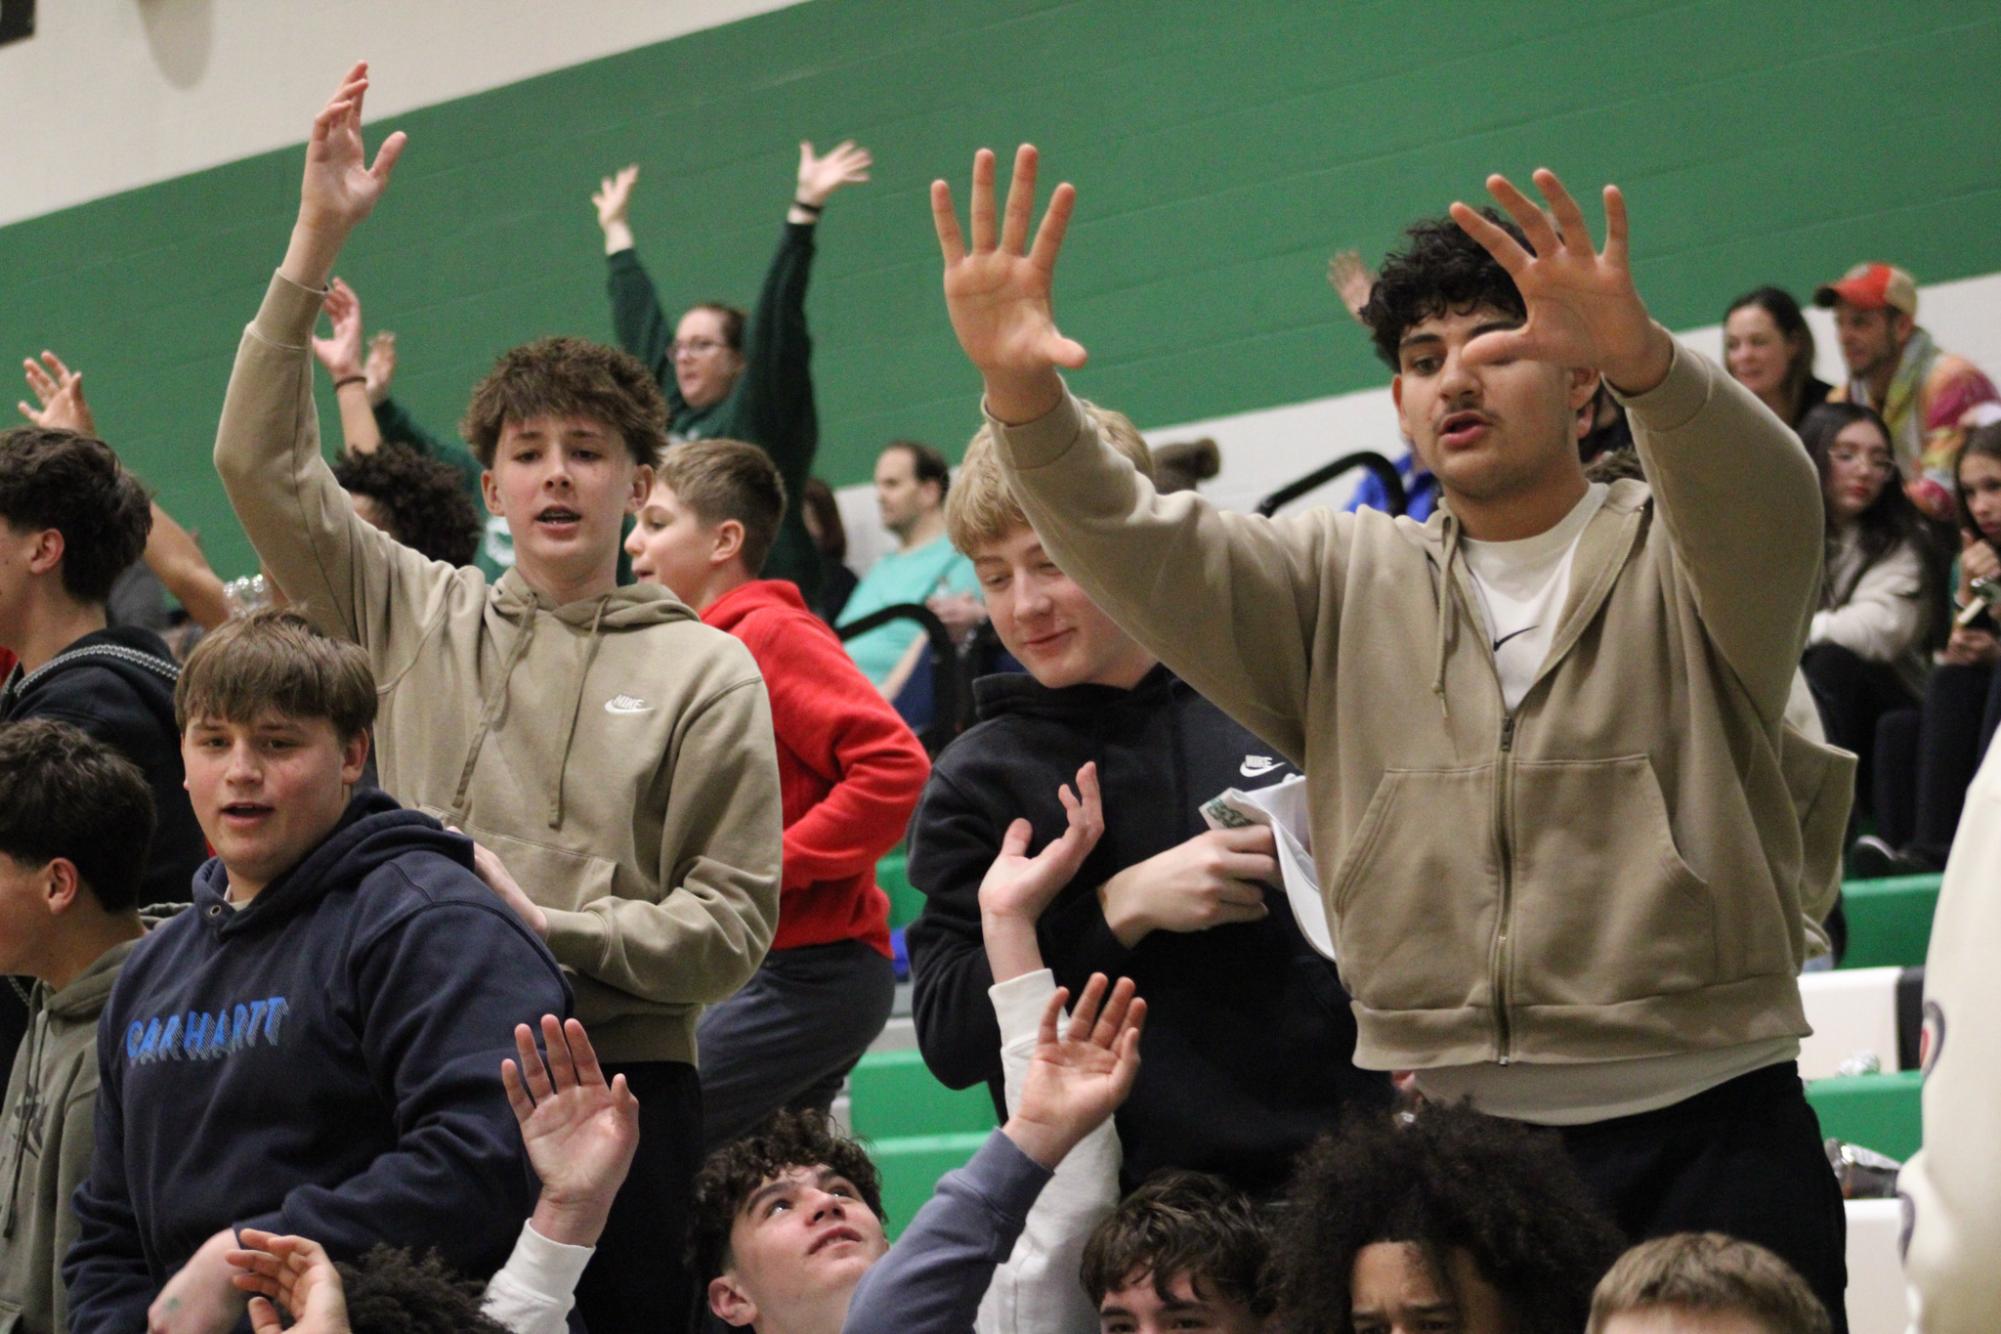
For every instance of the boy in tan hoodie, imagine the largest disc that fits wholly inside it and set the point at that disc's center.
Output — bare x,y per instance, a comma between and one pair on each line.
1551,785
612,756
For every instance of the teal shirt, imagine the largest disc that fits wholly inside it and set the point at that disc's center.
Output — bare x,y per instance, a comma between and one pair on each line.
902,576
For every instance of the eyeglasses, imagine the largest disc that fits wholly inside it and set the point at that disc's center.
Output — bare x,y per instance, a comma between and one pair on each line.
693,347
1882,463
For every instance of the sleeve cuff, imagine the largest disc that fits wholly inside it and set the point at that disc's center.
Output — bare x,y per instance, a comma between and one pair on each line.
287,316
1018,1004
575,940
1009,1178
1044,440
1677,398
552,1268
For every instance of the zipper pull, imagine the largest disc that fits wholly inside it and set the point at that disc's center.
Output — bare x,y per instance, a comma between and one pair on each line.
1508,732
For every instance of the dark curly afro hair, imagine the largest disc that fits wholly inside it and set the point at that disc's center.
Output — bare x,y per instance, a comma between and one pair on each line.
1448,1179
423,499
733,1172
1440,269
389,1291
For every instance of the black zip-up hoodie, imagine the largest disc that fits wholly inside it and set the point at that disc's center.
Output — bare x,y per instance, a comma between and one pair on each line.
1249,1044
324,1061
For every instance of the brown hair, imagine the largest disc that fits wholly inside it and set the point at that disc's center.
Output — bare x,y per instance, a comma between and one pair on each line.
65,794
74,484
1982,442
982,507
728,479
276,661
733,1173
1182,1223
568,377
1707,1271
732,318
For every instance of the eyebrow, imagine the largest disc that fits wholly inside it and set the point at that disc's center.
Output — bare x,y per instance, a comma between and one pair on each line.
783,1184
1490,326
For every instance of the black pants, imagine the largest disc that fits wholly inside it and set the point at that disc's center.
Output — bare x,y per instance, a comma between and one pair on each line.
1744,1158
1945,742
1853,695
638,1275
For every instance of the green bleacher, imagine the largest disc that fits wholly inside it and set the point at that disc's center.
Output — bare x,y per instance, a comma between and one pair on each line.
916,1128
1889,921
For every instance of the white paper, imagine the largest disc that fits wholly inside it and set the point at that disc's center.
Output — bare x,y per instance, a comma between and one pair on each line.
1282,807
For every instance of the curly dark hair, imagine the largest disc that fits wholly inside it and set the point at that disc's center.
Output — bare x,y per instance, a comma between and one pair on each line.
390,1291
1449,1179
1182,1223
568,377
730,1175
74,484
1440,269
422,497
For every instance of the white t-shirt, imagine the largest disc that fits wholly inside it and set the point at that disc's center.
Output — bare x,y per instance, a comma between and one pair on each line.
1521,587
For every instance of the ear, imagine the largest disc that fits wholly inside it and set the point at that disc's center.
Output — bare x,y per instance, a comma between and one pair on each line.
642,487
728,542
62,886
1583,387
1396,397
47,552
731,1304
353,758
489,491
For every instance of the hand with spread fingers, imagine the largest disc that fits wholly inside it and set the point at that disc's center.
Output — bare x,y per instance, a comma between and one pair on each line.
1017,887
580,1130
1582,307
341,186
822,174
1082,1070
340,352
59,390
292,1274
999,291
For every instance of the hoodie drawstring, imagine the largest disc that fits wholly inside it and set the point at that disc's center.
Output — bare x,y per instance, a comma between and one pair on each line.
576,707
30,1110
1446,610
491,710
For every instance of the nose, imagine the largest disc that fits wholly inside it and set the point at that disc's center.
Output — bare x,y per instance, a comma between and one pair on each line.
1458,380
828,1206
633,545
242,769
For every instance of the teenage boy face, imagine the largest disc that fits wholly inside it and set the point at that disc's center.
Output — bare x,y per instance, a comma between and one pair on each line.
670,545
1488,431
799,1244
1136,1307
1047,622
564,485
267,791
1393,1291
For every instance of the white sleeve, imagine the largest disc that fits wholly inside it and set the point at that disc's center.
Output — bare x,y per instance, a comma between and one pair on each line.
535,1289
1884,615
1038,1290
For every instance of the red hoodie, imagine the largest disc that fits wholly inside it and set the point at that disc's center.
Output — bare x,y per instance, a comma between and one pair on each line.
849,769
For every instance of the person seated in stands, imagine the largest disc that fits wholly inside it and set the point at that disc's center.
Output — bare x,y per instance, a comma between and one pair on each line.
1186,910
821,514
729,374
75,822
1186,1251
617,766
1704,1283
911,484
1448,1220
1882,597
850,771
1768,348
312,1046
1545,730
1955,728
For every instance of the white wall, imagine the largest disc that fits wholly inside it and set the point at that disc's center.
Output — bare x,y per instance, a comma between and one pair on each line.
113,94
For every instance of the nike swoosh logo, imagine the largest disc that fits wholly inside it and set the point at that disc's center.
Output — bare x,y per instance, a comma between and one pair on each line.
626,704
1254,765
1511,635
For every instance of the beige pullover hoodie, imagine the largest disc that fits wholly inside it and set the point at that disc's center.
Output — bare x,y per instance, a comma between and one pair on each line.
615,753
1617,868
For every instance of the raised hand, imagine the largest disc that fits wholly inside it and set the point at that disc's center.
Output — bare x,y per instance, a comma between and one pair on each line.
999,292
59,390
380,367
844,164
1018,885
292,1273
580,1132
1351,280
341,353
1583,309
341,187
613,197
1081,1071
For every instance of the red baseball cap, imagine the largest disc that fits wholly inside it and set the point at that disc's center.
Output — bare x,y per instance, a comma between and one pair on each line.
1872,287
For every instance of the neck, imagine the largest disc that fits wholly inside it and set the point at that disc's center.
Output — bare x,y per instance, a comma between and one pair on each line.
826,1315
1780,401
86,941
1129,669
240,891
719,585
923,529
1523,514
1878,377
563,589
57,623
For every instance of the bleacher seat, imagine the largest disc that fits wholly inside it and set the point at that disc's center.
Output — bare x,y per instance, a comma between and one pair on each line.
916,1128
1889,921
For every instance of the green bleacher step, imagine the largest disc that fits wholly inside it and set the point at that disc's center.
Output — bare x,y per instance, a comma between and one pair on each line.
911,1166
1889,921
905,900
1879,1112
892,1095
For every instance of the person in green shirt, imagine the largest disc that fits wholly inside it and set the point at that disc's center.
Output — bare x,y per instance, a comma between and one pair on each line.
728,375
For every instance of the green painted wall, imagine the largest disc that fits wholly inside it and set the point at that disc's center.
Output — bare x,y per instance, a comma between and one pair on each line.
1222,151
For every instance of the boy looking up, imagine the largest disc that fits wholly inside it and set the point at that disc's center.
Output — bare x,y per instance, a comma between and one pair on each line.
1250,1047
75,823
1544,729
849,770
313,1046
608,752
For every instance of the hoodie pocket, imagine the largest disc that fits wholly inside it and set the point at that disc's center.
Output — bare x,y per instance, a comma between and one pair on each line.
1415,892
1606,910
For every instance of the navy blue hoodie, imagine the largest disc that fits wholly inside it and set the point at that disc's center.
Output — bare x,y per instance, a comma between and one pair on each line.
1249,1045
324,1061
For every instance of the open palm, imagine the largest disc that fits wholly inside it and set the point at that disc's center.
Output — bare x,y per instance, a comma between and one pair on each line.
1082,1070
1020,885
341,187
580,1132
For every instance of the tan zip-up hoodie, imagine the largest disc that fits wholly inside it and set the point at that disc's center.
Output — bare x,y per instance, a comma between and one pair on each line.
1614,870
616,753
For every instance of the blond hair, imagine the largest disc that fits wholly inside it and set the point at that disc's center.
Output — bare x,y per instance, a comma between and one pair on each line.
1707,1271
982,509
275,661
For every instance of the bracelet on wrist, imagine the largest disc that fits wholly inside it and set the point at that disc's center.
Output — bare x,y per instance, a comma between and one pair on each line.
346,380
814,209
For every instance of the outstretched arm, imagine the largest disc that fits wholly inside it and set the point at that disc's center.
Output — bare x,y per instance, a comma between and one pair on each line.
342,358
341,187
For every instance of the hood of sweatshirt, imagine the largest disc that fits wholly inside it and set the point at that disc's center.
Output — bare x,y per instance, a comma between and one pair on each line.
372,830
745,600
